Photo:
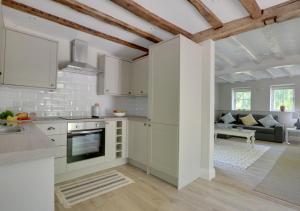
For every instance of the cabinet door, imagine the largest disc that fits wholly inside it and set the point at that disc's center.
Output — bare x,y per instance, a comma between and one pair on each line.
139,77
112,69
164,63
164,151
30,60
137,141
124,78
110,140
2,44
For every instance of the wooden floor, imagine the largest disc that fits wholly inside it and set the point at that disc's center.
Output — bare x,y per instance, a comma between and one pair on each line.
254,174
150,193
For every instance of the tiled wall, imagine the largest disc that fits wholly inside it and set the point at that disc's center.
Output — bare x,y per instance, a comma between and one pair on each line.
75,94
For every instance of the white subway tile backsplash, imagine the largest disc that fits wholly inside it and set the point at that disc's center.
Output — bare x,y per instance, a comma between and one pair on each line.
75,94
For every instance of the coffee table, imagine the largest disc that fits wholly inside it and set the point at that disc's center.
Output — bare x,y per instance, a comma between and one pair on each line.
248,134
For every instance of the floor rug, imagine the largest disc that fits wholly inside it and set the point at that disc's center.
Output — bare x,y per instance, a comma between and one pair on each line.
85,188
237,154
283,181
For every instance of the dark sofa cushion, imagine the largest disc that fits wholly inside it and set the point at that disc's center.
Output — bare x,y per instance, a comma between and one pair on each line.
260,129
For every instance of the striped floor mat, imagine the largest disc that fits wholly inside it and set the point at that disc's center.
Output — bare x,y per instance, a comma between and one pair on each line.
77,191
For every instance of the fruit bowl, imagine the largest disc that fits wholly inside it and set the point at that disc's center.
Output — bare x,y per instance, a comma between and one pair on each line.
119,113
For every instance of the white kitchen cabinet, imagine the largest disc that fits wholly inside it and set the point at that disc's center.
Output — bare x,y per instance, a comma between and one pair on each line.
164,152
2,44
175,110
137,143
29,60
110,143
57,133
114,80
139,77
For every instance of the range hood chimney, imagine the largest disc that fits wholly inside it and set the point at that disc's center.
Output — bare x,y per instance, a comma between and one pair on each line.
79,56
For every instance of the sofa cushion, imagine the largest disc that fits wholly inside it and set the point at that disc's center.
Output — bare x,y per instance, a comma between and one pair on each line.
268,121
235,116
260,129
228,118
248,120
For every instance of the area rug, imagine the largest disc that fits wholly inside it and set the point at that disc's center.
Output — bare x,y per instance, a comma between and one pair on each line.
283,181
82,189
237,154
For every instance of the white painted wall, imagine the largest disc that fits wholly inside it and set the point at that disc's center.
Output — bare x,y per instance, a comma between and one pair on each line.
260,95
27,186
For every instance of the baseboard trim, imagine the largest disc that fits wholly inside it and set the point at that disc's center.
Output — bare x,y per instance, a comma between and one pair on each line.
137,164
207,174
89,170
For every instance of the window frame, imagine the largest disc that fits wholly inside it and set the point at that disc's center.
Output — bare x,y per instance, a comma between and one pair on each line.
233,100
278,87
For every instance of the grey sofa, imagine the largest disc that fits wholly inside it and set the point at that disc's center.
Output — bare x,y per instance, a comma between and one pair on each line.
273,134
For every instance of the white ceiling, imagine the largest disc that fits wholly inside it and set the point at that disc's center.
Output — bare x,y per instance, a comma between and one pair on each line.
270,52
252,54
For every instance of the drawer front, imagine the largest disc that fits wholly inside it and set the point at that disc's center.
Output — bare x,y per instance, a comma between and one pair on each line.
60,165
53,129
60,151
58,140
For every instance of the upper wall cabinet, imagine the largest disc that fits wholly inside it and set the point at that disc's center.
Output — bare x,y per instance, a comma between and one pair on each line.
139,77
114,80
29,60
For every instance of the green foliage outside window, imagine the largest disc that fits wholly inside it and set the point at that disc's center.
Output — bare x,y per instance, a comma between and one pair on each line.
283,97
242,100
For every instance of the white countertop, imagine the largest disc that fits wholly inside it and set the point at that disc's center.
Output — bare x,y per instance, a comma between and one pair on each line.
30,144
58,119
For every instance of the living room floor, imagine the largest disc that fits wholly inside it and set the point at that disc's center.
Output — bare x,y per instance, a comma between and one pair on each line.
254,175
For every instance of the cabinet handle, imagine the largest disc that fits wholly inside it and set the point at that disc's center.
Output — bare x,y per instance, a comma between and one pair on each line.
129,93
141,92
50,128
149,125
145,124
0,73
53,140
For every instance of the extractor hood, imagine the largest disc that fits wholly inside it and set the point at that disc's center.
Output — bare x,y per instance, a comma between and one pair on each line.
79,56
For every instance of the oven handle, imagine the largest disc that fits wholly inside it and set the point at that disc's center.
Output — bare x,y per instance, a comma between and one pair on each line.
84,132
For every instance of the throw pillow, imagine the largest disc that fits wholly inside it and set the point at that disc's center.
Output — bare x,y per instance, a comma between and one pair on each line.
268,121
228,118
249,120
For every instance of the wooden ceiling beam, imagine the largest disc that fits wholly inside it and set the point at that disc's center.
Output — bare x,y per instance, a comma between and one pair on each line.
252,7
84,9
207,14
278,13
152,18
70,24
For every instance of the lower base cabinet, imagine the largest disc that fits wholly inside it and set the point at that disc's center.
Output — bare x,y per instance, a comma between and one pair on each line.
137,143
163,151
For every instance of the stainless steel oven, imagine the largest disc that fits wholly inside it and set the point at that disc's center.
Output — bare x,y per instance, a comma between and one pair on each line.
85,140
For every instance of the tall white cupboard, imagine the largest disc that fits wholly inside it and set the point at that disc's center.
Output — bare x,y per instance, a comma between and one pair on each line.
175,110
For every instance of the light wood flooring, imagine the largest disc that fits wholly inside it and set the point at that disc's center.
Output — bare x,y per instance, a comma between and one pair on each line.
149,193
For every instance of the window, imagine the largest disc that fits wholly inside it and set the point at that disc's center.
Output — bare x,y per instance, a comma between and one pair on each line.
241,99
282,95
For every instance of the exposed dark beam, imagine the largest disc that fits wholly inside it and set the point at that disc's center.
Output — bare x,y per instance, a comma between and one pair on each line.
70,24
154,19
278,13
82,8
209,16
252,7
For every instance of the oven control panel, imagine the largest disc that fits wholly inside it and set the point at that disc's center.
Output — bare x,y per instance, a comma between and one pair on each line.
85,125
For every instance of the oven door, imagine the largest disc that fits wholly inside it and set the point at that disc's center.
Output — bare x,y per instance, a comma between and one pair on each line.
82,145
